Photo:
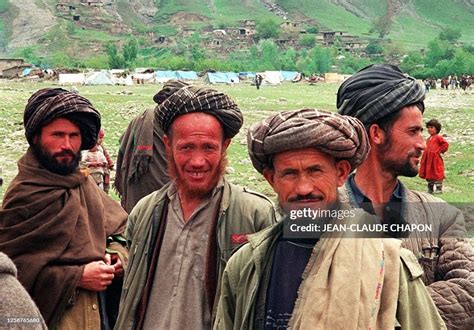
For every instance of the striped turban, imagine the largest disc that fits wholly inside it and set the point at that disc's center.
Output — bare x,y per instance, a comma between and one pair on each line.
49,104
342,137
193,99
378,91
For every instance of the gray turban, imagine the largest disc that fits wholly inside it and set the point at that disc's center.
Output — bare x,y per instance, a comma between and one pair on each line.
378,91
192,99
342,137
49,104
169,88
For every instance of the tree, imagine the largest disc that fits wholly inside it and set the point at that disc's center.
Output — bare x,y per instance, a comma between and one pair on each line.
374,48
130,51
116,61
267,29
381,25
307,41
312,30
449,34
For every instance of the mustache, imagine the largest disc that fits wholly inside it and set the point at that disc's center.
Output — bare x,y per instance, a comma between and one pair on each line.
307,197
64,153
417,153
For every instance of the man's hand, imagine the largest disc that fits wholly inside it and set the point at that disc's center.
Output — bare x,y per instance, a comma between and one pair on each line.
114,260
97,276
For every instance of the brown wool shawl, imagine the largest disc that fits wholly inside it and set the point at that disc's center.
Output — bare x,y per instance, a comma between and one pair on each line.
51,226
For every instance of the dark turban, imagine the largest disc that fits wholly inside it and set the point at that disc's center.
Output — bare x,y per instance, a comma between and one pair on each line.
49,104
169,88
193,99
378,91
342,137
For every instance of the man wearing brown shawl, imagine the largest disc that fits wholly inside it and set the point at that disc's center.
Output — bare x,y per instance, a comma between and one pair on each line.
283,278
55,221
182,235
141,161
390,105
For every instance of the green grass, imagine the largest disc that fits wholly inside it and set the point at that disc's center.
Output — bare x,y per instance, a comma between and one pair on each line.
4,5
119,104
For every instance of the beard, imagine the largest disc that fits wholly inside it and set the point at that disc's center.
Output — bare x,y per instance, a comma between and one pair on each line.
398,166
189,190
49,161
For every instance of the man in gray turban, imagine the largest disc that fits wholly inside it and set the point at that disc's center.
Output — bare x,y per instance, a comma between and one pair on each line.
390,104
302,272
182,235
55,222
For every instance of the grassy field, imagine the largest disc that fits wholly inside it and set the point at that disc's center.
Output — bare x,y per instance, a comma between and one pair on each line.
119,105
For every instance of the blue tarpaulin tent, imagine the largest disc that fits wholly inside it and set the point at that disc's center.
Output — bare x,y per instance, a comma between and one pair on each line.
288,75
187,75
162,75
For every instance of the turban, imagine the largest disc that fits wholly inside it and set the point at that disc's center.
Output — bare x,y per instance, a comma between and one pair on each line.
376,92
49,104
169,88
342,137
192,99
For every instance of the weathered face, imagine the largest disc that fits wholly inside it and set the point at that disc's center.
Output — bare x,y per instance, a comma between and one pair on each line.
401,149
58,147
306,178
197,153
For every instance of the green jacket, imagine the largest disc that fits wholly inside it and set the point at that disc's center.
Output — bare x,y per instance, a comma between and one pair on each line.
241,212
247,274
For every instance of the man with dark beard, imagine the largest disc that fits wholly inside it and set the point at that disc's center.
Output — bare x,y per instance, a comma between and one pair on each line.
182,235
55,222
390,105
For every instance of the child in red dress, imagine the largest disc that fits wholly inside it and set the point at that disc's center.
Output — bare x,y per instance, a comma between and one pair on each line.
432,165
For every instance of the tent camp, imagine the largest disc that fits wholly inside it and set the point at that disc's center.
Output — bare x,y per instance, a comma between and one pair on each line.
288,75
162,76
221,78
271,78
186,75
71,78
100,78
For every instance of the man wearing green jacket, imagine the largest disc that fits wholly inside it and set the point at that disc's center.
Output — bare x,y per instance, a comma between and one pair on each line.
319,277
181,236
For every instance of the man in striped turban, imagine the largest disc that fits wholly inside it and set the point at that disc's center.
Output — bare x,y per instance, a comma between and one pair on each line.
390,104
182,235
302,273
55,222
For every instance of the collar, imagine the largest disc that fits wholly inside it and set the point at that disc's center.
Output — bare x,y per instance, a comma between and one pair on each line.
359,196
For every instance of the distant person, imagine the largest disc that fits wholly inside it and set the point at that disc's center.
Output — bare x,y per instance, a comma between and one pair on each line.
96,163
56,224
432,165
110,162
141,160
258,80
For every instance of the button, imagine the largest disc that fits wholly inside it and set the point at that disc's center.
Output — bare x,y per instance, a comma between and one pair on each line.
94,306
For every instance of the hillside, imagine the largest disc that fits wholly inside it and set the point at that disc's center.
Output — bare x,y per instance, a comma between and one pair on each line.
79,28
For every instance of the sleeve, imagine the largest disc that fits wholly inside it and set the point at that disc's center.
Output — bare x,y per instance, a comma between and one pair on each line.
110,162
226,306
415,309
443,145
454,291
